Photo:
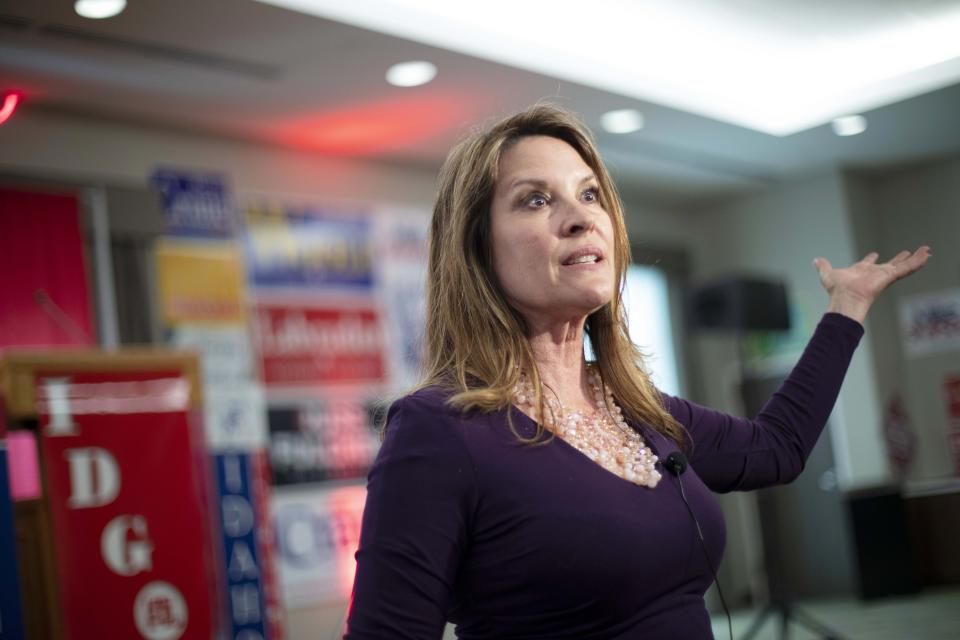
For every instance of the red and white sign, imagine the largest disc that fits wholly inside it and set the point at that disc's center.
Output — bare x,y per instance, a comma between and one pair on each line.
266,544
930,322
951,392
900,437
300,345
133,543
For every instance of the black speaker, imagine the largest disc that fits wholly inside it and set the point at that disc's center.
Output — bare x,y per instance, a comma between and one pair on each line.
739,303
883,544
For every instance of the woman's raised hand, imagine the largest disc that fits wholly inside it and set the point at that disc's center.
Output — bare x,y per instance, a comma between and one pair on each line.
853,289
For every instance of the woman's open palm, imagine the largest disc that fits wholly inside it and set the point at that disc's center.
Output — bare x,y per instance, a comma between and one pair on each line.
863,281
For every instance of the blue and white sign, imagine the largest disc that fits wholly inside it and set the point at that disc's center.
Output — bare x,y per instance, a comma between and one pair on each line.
235,417
195,205
226,357
317,535
11,623
401,241
308,249
247,606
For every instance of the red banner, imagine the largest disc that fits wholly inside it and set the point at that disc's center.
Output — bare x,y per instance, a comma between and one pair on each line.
42,271
260,483
300,345
133,543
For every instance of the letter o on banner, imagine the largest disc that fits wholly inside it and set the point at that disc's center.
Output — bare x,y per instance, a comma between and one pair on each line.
160,612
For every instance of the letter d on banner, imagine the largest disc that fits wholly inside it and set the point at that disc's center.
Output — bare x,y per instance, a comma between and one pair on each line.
94,477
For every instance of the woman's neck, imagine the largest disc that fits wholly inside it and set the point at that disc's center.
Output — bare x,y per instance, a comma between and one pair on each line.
558,354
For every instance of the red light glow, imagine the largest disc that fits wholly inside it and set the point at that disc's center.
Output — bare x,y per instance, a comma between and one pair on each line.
346,510
10,103
377,127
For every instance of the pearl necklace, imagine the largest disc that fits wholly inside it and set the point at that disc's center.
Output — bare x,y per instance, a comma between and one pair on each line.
603,436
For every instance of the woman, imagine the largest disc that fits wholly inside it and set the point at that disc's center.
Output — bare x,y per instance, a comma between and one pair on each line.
519,491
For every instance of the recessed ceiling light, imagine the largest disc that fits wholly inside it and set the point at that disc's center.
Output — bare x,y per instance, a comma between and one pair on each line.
99,9
849,125
411,74
622,121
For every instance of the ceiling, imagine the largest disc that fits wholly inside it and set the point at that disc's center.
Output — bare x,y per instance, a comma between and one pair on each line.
254,71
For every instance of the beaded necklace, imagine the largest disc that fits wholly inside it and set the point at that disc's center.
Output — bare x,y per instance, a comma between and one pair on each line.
603,435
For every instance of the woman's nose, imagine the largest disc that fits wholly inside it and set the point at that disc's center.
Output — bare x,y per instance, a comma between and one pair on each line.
577,221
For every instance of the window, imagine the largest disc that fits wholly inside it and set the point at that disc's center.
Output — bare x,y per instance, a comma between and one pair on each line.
648,315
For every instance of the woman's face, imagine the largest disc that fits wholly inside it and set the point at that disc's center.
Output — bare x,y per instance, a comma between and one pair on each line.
552,240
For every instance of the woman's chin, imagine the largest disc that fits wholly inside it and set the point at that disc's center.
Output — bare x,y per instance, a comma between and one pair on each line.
591,300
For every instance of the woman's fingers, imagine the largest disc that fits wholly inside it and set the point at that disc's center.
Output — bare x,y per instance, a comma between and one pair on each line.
915,261
900,257
905,263
899,266
823,267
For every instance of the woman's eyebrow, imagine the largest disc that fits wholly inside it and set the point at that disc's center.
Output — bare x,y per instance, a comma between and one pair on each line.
542,184
536,182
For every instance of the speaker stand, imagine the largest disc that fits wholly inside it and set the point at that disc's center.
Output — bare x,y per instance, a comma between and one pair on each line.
781,605
787,612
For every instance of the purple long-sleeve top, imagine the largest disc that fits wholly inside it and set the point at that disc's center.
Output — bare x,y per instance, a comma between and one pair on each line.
463,523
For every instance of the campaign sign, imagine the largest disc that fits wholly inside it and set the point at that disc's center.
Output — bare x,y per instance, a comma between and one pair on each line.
200,283
308,249
225,355
194,204
930,322
245,593
133,545
322,440
266,544
300,345
951,390
235,417
401,241
317,536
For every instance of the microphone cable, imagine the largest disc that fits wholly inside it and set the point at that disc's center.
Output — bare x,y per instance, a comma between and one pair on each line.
676,464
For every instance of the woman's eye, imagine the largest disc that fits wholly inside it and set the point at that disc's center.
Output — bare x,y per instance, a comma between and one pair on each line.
591,195
536,200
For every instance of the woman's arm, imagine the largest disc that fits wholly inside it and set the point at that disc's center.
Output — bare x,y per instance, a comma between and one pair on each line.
737,454
734,453
420,495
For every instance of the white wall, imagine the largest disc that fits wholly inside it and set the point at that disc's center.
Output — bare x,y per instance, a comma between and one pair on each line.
778,233
898,210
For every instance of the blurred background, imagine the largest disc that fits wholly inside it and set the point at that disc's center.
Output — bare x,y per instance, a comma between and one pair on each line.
213,221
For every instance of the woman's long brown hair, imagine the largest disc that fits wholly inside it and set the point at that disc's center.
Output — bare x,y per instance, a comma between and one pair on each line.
475,343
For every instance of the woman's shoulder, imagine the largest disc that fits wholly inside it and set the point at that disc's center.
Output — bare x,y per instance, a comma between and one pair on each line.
426,400
423,420
424,408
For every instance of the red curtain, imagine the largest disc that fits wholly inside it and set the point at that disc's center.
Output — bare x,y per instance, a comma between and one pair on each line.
43,281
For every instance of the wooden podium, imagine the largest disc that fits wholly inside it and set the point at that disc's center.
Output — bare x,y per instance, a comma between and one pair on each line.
120,530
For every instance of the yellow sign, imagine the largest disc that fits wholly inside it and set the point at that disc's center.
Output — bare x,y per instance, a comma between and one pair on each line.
200,283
